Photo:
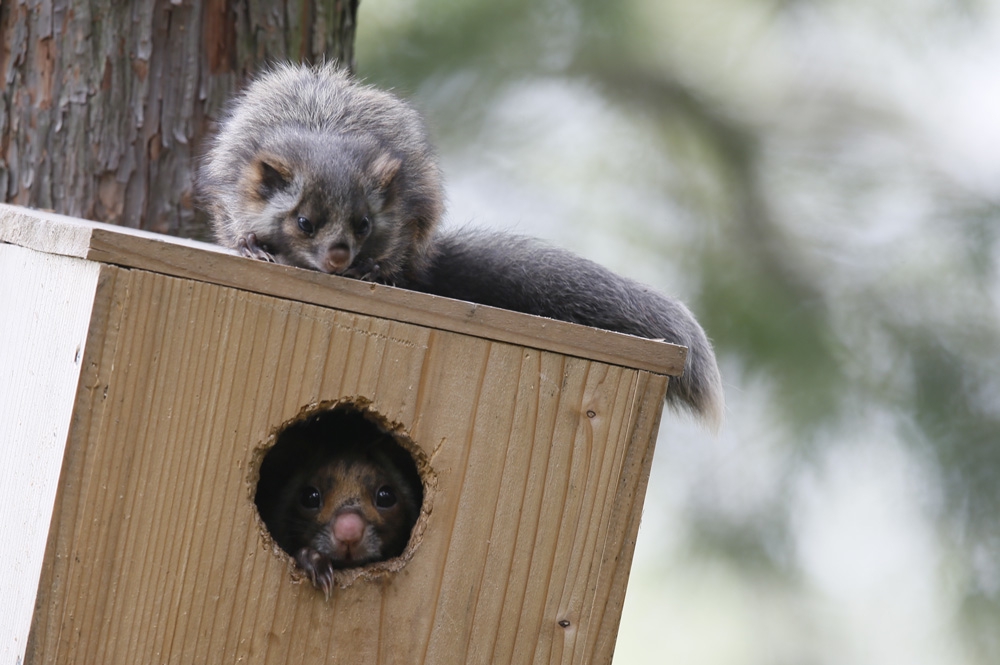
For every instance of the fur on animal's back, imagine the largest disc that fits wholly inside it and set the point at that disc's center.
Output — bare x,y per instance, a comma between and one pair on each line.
322,99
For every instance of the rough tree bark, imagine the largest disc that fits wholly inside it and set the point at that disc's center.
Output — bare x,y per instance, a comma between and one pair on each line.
105,103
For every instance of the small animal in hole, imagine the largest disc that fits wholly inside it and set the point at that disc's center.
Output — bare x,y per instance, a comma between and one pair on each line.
341,504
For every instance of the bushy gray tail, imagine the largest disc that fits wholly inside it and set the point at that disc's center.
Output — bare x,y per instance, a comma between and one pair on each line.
526,275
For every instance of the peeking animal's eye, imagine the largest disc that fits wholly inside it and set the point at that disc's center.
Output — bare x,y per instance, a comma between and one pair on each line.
310,498
385,497
306,226
363,226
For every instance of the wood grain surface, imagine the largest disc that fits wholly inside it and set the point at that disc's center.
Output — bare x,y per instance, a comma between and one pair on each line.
538,464
537,437
194,260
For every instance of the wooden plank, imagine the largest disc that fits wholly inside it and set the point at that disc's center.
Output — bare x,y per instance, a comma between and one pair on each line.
52,233
617,546
46,304
155,552
213,264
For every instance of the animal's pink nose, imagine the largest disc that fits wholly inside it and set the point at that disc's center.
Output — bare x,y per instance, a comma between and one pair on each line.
338,259
348,528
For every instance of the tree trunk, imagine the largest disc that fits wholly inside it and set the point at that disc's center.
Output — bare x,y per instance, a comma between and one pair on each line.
105,103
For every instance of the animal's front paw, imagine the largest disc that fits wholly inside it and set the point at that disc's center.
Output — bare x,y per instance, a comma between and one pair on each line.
252,248
367,270
318,567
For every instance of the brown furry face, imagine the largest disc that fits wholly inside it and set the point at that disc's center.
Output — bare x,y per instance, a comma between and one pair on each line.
353,512
338,491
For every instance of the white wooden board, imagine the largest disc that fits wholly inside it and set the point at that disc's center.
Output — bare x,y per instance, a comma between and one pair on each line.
45,304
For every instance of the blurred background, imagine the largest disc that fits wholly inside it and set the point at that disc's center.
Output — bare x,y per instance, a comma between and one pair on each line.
820,181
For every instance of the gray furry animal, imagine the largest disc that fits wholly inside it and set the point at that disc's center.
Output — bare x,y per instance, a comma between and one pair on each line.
313,170
316,170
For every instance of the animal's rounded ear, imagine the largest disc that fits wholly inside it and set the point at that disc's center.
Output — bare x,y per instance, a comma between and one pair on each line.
384,170
271,175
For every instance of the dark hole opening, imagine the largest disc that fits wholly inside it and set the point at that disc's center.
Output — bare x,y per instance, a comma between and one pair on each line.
337,490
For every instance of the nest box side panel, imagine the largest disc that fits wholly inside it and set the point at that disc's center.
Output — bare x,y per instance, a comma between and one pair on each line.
547,574
537,464
155,553
45,303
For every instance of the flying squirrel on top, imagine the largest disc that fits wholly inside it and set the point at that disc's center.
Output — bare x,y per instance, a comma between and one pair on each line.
315,170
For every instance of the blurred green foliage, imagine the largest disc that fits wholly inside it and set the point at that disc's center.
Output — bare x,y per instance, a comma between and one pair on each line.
820,180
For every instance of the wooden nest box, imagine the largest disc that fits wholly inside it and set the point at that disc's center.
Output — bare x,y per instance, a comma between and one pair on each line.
142,377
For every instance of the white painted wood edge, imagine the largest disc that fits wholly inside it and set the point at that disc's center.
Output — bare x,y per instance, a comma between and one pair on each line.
46,302
69,236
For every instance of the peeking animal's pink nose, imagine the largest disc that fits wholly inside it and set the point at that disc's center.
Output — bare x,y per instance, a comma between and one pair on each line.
338,259
348,528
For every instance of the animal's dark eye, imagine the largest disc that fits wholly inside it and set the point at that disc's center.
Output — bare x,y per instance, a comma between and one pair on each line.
306,225
385,497
310,497
363,226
